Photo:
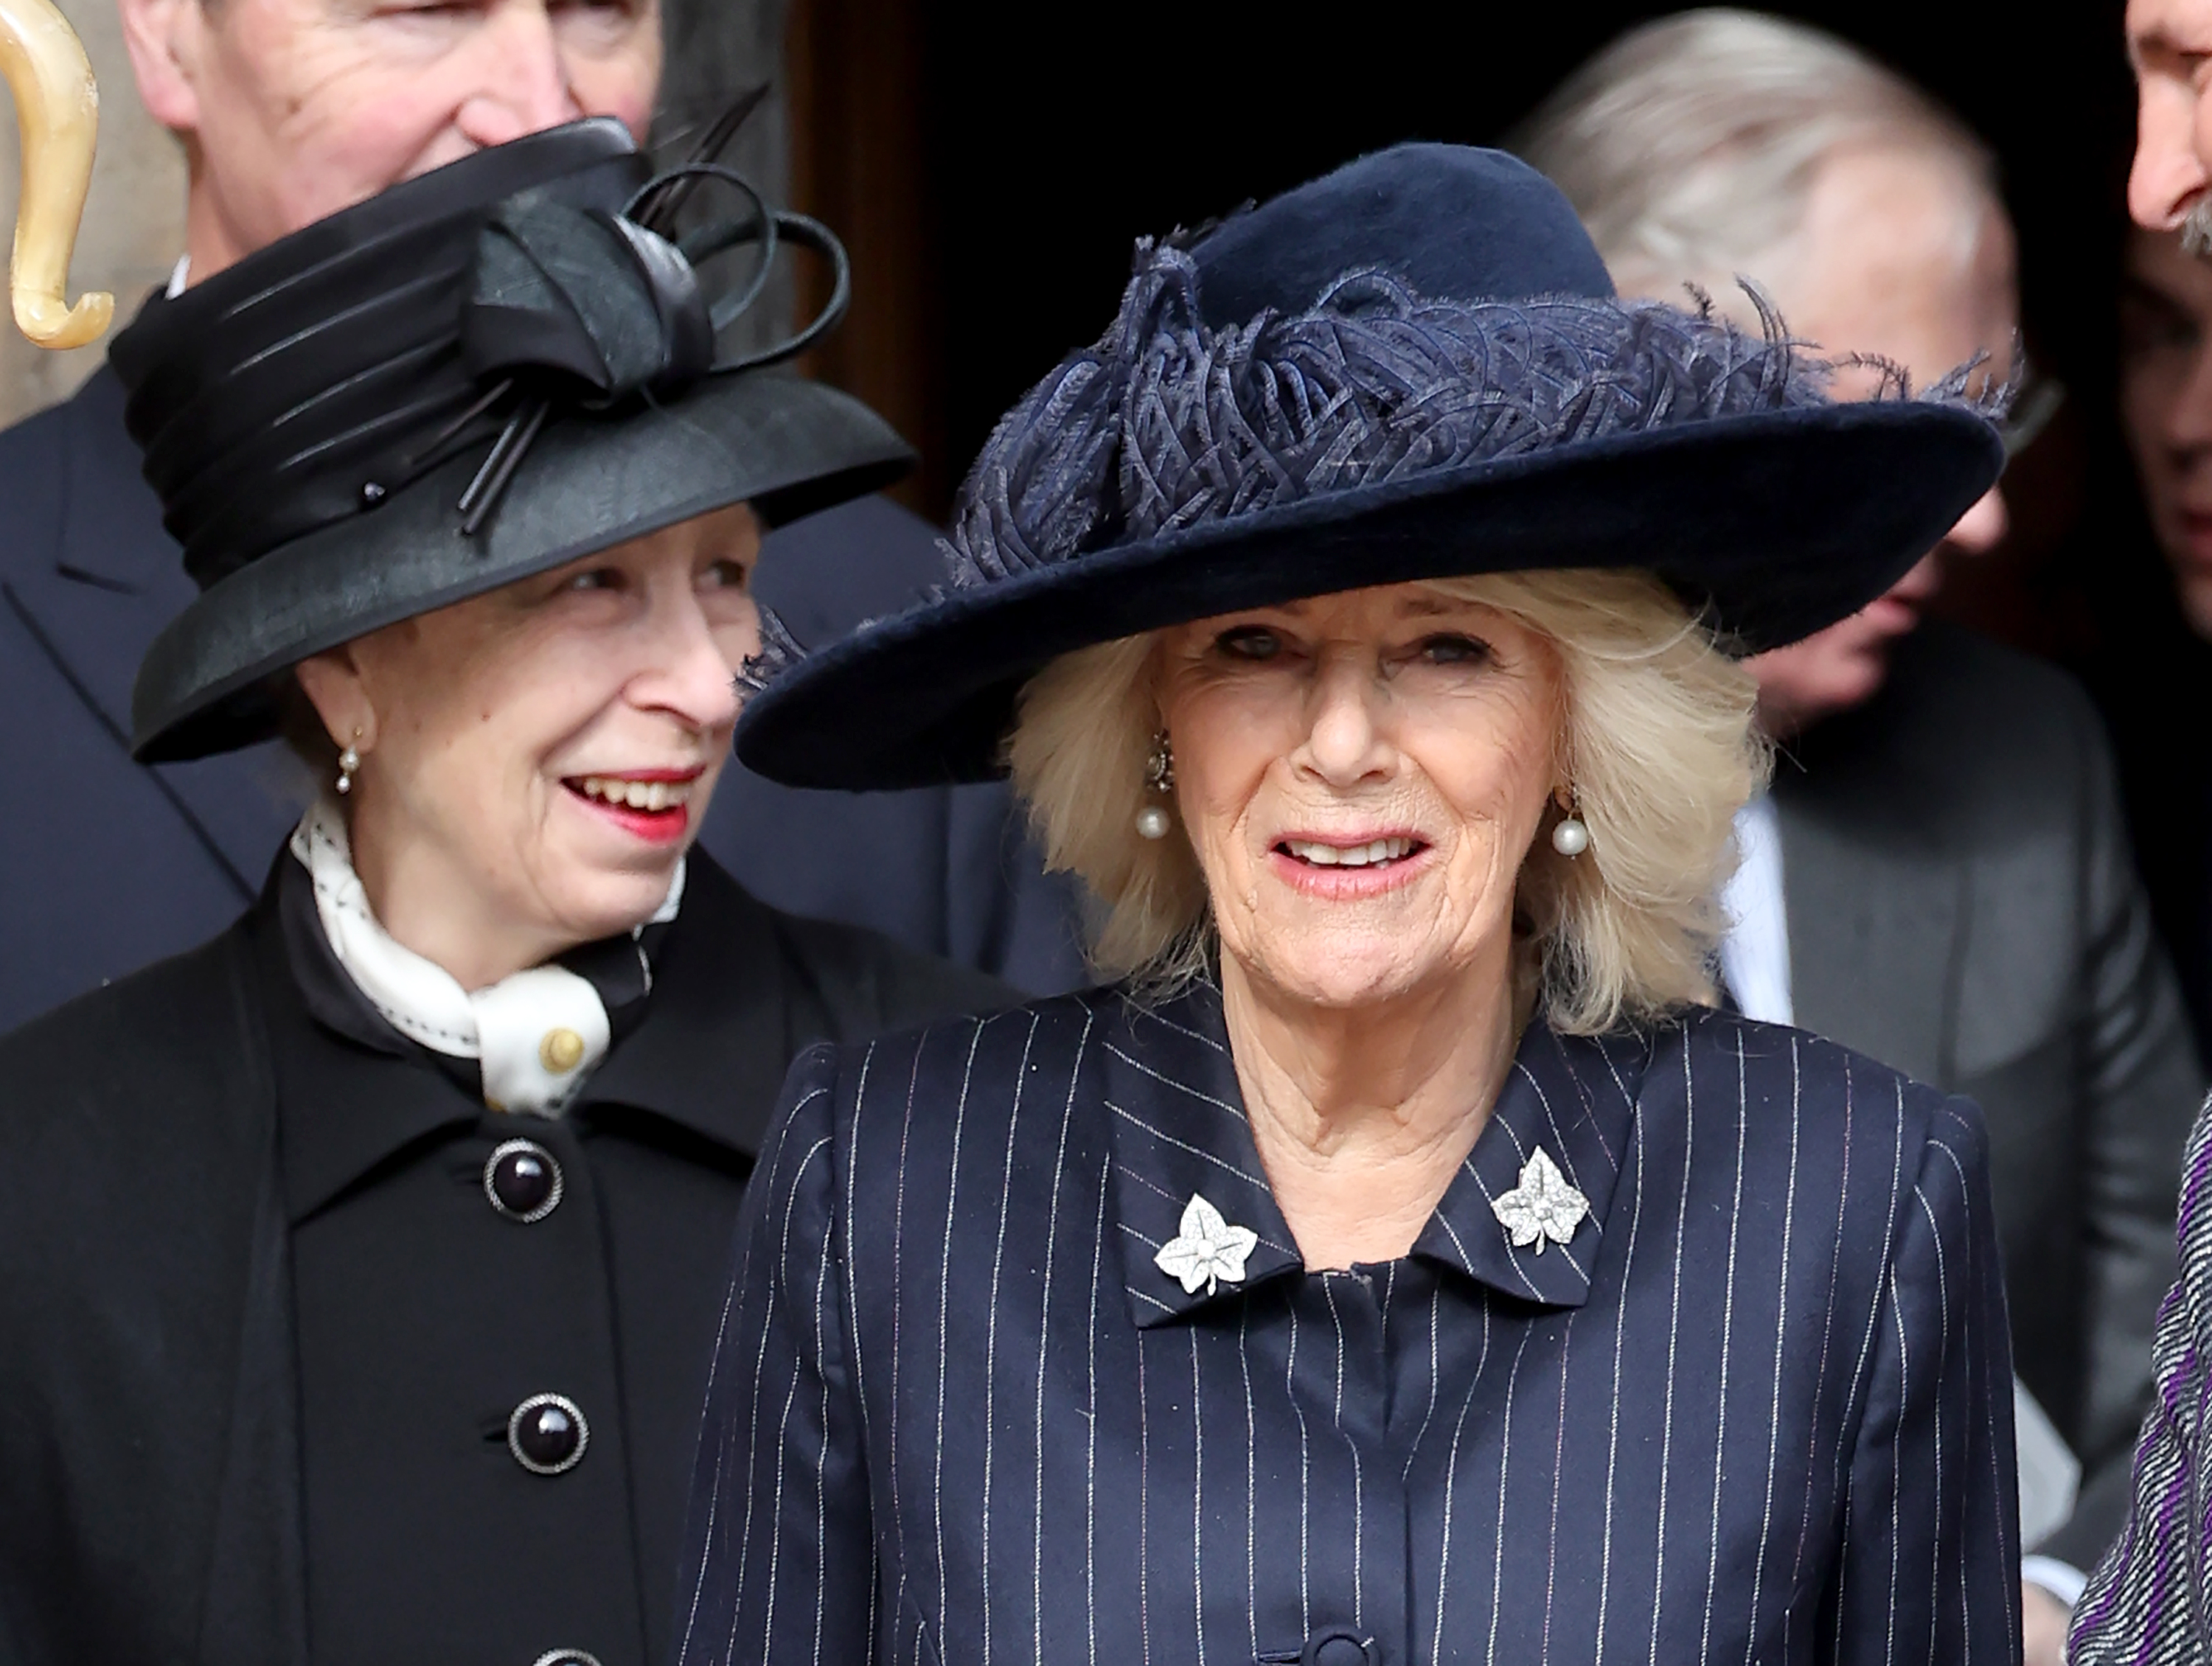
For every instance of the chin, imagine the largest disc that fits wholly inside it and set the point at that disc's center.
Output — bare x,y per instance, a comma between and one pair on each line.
1850,682
607,902
1345,976
2197,603
1861,682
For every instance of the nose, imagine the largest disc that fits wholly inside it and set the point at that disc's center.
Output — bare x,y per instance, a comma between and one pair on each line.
1344,742
1978,530
2167,177
523,85
686,674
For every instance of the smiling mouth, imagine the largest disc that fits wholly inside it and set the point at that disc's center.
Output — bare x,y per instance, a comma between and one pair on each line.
652,797
1377,853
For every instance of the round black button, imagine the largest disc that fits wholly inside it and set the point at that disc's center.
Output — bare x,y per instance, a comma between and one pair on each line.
522,1180
1339,1645
548,1435
566,1657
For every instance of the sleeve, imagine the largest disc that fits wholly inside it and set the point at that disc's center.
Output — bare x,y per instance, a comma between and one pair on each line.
778,1547
2138,1606
2142,1084
1930,1571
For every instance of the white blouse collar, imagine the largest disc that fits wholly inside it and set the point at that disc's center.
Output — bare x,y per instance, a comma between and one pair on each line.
536,1035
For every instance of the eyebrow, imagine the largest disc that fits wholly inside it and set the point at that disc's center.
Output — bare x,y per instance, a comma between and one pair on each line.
1420,605
1426,606
2159,42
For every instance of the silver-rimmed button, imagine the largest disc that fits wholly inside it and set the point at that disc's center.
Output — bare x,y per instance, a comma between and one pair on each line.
547,1433
522,1180
566,1657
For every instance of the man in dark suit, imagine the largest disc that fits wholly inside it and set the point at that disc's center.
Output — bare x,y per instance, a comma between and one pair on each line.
289,109
1941,875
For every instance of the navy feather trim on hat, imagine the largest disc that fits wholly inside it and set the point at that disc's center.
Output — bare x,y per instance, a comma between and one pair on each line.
1166,424
1414,368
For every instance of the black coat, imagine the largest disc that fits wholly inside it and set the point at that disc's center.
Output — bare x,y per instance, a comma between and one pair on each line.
166,1495
127,864
1757,1407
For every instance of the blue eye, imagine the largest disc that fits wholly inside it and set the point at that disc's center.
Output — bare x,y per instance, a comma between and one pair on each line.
1248,642
598,577
1451,650
725,575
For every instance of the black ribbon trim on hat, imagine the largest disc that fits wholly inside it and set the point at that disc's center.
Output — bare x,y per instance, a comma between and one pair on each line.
445,322
577,307
590,298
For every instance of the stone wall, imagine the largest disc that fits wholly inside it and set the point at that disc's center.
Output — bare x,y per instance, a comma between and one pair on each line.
134,224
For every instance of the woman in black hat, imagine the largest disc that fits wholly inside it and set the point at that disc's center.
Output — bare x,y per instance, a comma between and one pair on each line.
363,1265
1402,1261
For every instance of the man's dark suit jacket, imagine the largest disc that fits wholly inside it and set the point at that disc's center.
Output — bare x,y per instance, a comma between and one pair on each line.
105,865
1962,904
1756,1406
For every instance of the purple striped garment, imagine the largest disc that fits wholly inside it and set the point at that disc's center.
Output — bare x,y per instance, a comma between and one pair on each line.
2145,1602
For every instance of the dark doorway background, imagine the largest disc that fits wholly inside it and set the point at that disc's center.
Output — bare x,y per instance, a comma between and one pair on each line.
993,163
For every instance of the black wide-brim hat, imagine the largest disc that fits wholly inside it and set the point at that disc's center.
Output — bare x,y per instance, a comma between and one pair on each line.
483,373
1414,368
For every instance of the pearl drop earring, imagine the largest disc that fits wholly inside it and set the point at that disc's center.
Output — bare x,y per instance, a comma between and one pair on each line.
1159,776
1569,836
349,761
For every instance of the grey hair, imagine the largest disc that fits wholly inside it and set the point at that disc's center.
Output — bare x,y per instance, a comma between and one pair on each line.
1690,145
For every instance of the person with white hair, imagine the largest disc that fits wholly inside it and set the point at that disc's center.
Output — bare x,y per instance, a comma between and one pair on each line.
1941,874
1400,1260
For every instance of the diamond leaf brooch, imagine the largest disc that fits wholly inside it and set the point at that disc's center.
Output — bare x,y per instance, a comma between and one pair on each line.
1542,1208
1206,1248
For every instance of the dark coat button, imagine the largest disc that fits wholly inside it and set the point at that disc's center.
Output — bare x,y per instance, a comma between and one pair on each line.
1339,1645
548,1435
566,1657
522,1180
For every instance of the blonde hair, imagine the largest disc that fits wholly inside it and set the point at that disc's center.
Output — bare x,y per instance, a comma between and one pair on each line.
1690,146
1657,742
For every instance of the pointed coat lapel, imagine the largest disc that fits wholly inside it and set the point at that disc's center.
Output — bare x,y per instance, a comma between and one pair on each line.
1175,1117
114,580
1179,1130
1574,1098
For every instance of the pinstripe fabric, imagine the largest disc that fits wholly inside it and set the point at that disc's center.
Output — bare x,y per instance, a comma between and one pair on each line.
1757,1409
2146,1602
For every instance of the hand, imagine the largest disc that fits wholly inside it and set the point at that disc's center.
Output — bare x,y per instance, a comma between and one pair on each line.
2044,1620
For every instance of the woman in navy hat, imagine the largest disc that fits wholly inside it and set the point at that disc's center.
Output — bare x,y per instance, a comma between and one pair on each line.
363,1265
1402,1260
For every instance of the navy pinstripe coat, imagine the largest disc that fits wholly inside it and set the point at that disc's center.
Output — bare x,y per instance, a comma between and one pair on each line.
1756,1409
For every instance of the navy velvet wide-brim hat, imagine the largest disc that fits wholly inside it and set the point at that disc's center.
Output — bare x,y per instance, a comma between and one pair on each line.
483,373
1414,368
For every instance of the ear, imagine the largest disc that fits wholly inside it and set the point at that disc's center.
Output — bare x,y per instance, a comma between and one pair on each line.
333,686
165,38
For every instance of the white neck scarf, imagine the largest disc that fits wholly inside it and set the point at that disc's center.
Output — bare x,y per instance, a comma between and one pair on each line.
536,1035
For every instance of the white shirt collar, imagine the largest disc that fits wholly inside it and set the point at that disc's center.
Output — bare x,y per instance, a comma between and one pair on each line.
180,277
1755,953
536,1035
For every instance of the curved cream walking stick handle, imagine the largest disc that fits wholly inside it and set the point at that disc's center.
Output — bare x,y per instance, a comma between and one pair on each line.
57,113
